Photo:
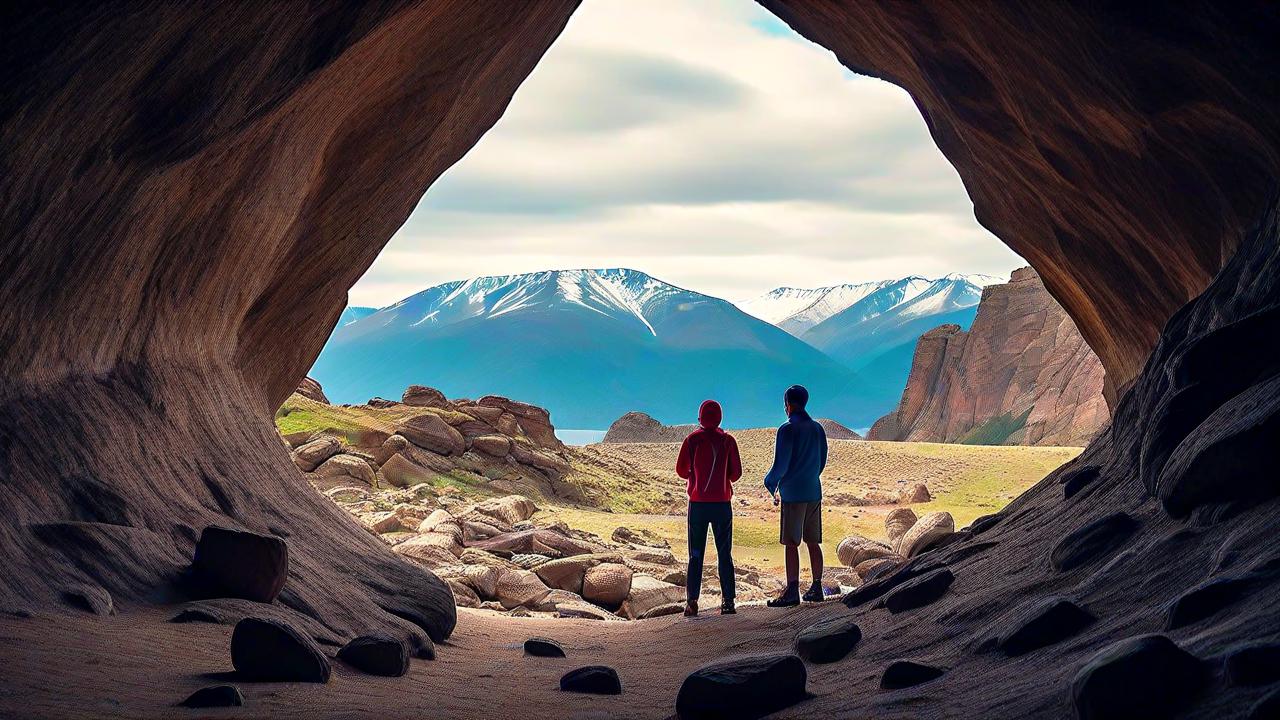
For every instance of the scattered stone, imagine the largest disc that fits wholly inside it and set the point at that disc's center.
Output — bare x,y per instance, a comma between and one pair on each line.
856,549
678,576
1094,540
528,561
1207,600
907,673
828,641
506,511
1252,665
915,493
648,593
672,608
422,396
344,465
655,555
1147,676
567,573
463,595
492,445
431,432
874,589
920,591
309,456
90,598
746,687
273,651
869,570
240,564
543,647
214,696
376,655
927,531
1044,624
897,523
520,588
593,679
607,584
583,610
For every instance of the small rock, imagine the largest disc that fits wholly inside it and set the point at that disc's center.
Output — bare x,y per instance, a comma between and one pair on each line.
520,588
214,696
1094,540
309,456
593,679
828,641
91,598
607,584
907,673
1147,676
422,396
1253,665
927,531
1207,600
673,608
920,591
376,655
856,549
649,592
492,445
430,432
271,650
897,523
240,564
543,647
746,687
1049,622
915,493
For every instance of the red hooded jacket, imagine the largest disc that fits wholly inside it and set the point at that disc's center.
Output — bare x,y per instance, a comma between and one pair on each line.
709,458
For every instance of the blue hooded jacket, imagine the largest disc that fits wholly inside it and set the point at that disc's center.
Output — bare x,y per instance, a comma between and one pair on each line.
798,459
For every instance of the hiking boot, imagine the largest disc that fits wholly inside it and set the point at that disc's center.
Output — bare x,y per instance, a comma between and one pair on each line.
789,598
691,608
727,608
814,594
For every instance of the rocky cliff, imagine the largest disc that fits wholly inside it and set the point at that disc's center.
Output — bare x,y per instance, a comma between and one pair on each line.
1022,375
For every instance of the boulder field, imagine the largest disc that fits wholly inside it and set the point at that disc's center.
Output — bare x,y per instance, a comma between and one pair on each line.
189,192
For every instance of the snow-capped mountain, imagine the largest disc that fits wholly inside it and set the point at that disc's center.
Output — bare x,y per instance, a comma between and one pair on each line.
798,309
354,313
590,345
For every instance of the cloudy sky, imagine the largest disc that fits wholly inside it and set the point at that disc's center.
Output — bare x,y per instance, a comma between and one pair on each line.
702,142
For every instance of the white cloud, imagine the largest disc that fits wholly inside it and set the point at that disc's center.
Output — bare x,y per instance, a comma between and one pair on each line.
697,141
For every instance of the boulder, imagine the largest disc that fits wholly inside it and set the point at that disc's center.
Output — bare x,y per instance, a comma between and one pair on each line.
381,403
1096,539
543,647
90,598
538,541
482,579
583,610
534,421
828,641
649,592
271,650
311,390
567,573
428,548
928,530
1043,624
430,432
919,591
1147,676
520,588
345,466
376,655
856,549
672,608
657,556
463,595
214,696
422,396
607,584
744,687
440,521
309,455
908,673
1208,599
240,564
505,511
869,569
594,679
915,493
897,523
383,522
492,445
552,464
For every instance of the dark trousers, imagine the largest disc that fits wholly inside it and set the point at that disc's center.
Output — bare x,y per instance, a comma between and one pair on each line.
719,515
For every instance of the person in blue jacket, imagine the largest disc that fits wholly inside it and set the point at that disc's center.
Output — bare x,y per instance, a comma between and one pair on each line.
798,459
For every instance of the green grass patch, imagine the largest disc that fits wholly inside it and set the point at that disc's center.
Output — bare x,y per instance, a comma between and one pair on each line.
997,430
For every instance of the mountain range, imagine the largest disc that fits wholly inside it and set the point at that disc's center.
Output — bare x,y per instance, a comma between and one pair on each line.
589,345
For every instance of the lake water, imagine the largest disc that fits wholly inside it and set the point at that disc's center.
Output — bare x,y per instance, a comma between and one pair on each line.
579,437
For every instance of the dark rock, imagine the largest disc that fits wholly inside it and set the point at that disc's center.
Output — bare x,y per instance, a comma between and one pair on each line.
906,673
90,598
1207,600
214,696
240,564
543,647
744,687
919,592
828,641
1076,480
1254,664
1046,623
376,655
985,523
1267,708
422,646
271,650
1147,677
593,679
190,615
1094,540
874,588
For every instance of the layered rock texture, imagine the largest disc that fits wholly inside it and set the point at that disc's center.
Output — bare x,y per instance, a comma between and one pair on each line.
1022,375
189,191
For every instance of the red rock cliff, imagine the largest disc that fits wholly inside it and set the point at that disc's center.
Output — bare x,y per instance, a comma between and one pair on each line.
1022,375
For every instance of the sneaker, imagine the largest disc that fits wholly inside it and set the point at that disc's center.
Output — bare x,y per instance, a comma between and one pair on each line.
786,599
727,608
813,594
691,608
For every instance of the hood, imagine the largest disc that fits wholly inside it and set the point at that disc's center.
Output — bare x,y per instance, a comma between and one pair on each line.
709,414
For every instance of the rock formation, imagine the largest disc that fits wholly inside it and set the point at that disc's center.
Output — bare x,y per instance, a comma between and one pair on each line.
1022,375
638,427
189,194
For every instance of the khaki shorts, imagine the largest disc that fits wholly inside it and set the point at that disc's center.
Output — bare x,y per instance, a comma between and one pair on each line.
801,521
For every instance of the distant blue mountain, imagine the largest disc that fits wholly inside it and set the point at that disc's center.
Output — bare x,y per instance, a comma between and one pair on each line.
354,313
589,345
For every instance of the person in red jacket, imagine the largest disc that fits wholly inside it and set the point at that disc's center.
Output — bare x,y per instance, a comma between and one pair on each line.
710,464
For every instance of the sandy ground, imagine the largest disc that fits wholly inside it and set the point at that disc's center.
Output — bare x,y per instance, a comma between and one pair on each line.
137,665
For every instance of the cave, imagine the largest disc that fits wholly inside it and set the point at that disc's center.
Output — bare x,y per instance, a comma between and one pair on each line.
189,192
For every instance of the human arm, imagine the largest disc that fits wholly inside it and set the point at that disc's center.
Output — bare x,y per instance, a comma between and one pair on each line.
781,461
684,461
822,461
734,469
